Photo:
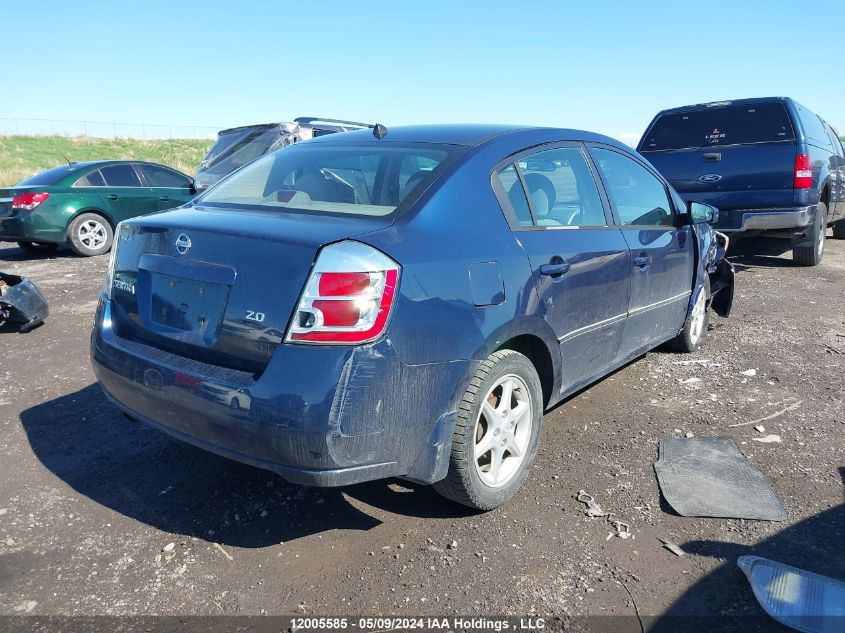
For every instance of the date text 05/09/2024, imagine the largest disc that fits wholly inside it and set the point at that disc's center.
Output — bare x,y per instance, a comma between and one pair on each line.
456,623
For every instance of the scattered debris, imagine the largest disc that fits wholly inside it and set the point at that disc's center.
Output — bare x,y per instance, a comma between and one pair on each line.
710,477
791,407
21,302
26,606
169,547
768,439
690,381
799,599
677,551
750,373
593,508
691,362
689,434
453,545
223,551
623,530
760,428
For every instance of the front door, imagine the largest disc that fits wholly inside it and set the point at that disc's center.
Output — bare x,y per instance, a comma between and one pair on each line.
580,262
662,249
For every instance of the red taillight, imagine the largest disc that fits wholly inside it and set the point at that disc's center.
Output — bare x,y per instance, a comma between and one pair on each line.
346,306
29,201
803,172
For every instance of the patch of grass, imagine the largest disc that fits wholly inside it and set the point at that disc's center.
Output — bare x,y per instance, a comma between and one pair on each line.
23,156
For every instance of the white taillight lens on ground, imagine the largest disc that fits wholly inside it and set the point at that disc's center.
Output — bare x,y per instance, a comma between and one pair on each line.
348,296
29,201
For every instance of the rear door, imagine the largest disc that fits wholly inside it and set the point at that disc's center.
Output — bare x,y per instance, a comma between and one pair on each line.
662,250
580,262
125,193
731,156
172,188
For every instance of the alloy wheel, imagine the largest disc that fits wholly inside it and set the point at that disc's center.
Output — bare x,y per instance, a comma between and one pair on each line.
92,234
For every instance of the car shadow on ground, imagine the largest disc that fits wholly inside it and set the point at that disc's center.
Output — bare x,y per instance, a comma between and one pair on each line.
11,252
148,476
723,600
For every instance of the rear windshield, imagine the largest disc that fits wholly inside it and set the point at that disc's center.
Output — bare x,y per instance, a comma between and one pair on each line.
239,147
730,125
49,177
367,180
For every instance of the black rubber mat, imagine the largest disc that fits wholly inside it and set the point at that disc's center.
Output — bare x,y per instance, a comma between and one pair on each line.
709,477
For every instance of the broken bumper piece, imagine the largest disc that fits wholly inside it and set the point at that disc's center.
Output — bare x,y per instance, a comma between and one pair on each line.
21,302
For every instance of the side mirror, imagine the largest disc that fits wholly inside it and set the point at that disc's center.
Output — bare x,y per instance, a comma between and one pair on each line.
192,188
700,213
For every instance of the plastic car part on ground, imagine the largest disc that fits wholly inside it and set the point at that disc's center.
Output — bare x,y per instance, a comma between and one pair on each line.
709,477
21,302
799,599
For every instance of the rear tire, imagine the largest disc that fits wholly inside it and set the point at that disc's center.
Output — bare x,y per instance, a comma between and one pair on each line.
839,230
37,247
694,333
496,434
90,234
812,255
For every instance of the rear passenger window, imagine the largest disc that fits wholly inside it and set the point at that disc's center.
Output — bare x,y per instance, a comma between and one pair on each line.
561,190
161,177
120,176
509,180
639,197
93,179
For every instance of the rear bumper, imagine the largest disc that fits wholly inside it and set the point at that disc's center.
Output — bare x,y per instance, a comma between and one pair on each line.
28,226
735,220
318,416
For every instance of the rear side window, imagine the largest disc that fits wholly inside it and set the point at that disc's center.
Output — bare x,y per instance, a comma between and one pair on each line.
120,176
561,191
725,125
813,127
369,179
639,197
160,177
92,179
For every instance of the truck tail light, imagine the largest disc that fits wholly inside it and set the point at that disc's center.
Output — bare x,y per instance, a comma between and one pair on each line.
29,201
803,172
348,297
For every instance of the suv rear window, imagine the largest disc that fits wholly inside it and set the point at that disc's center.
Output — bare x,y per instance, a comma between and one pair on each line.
728,125
370,179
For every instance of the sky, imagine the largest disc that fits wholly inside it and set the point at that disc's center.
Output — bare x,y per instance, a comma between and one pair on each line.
606,66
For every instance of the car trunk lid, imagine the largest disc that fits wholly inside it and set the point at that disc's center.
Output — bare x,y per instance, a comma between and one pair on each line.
219,286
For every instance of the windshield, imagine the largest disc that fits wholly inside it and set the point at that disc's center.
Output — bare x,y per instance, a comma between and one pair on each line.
369,179
732,125
239,147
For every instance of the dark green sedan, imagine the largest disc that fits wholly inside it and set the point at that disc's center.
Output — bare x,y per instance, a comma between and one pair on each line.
81,203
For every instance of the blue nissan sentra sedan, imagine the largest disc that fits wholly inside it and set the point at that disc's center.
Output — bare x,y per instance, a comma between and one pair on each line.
404,302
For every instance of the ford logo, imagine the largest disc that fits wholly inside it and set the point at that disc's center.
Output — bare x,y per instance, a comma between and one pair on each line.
709,178
183,244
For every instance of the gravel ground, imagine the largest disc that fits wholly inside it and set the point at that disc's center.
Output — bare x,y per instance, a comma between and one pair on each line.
101,516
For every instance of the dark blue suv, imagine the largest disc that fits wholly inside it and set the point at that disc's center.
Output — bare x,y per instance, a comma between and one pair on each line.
404,302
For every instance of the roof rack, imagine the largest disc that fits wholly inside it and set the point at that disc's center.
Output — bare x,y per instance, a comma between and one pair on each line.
306,120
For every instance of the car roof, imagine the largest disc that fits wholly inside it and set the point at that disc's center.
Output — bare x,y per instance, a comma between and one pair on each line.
726,102
470,135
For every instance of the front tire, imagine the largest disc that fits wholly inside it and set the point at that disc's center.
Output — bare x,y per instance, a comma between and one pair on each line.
694,333
90,234
496,434
37,247
811,255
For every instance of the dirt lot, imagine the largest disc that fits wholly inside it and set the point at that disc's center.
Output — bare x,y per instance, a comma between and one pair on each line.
102,516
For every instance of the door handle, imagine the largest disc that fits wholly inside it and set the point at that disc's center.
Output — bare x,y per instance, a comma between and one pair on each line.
642,261
113,196
554,270
165,198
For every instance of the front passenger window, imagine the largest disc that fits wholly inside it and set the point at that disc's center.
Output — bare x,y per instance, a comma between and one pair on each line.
640,198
